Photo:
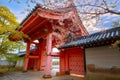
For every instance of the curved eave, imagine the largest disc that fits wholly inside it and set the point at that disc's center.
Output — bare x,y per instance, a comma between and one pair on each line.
42,13
38,19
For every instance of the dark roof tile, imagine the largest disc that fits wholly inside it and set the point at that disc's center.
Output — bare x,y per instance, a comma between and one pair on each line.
100,38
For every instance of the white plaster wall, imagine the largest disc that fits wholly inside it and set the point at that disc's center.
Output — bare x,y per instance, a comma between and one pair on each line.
104,56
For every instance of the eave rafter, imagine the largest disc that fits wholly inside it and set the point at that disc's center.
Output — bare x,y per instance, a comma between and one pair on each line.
42,31
36,27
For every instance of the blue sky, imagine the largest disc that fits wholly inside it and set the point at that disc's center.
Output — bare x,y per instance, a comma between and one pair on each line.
19,9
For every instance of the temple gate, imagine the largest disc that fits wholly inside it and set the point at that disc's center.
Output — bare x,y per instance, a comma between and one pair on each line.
53,29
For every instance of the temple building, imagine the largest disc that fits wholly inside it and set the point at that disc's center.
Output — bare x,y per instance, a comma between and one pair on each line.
63,29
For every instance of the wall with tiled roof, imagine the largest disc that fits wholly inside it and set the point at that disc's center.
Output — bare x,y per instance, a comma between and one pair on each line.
97,39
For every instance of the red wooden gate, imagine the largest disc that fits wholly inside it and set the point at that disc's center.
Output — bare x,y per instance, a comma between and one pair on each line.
76,61
72,60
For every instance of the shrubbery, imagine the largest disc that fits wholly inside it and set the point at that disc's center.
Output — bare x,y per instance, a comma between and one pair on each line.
55,63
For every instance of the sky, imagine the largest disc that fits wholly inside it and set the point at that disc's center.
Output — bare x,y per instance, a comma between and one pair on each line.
20,9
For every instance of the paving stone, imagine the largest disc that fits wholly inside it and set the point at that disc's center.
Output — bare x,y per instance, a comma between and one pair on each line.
31,75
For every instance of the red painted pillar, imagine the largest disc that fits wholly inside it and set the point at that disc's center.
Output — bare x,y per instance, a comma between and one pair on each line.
26,57
39,63
48,62
39,59
42,55
66,61
62,63
35,64
43,58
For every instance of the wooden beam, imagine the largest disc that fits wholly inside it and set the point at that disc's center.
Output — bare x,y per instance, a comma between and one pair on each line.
55,54
34,57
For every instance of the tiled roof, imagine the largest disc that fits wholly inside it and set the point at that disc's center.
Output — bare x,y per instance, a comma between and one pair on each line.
32,11
35,8
97,39
21,53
